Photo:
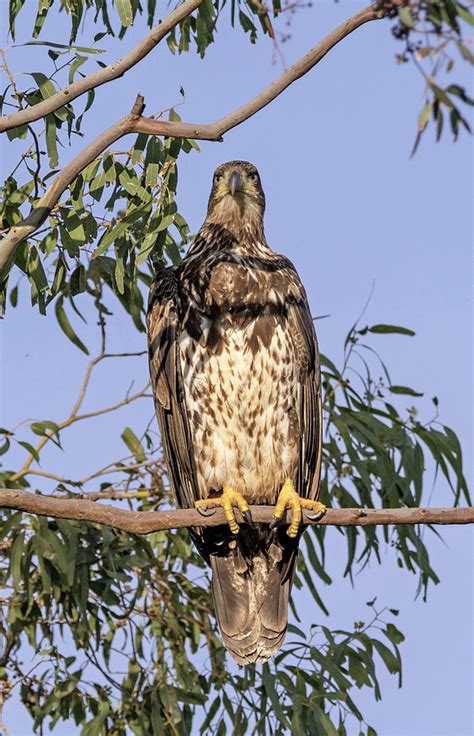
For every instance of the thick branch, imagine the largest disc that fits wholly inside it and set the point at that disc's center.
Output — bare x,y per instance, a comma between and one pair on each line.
145,522
102,76
135,123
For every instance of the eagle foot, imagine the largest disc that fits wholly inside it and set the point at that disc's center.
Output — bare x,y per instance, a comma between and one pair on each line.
228,500
289,499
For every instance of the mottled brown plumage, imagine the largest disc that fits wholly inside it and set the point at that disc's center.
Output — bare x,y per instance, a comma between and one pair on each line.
235,372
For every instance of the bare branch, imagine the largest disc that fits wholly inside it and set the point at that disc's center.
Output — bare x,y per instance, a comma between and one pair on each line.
145,522
135,123
72,420
102,76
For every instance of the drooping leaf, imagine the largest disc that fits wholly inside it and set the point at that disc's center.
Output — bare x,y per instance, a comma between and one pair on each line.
66,326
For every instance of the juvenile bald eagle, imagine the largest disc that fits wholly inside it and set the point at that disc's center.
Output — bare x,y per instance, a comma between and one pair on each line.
235,373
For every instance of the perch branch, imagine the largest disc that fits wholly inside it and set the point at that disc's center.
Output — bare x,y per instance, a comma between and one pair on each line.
135,123
102,76
145,522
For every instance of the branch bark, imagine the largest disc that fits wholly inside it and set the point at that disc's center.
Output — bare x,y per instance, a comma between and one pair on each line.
102,76
135,123
146,522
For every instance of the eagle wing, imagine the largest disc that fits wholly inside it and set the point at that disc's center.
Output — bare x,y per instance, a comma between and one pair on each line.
310,406
166,379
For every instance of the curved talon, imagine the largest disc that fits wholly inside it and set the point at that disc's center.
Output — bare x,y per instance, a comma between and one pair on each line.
203,511
275,523
315,517
318,509
248,518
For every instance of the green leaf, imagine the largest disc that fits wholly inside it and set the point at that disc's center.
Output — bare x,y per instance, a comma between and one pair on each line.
66,327
326,725
314,560
211,712
78,61
77,282
36,270
390,329
45,85
5,446
16,555
441,95
43,7
120,274
29,448
19,132
465,14
96,726
124,9
424,116
406,17
395,636
164,223
133,444
67,47
269,682
51,140
119,229
404,390
387,656
14,6
46,427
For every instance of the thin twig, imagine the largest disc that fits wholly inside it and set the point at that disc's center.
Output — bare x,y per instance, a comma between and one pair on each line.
72,420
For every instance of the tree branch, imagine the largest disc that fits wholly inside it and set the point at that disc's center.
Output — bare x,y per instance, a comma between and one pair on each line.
102,76
145,522
135,123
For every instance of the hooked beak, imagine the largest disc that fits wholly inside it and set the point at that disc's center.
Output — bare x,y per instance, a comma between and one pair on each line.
235,183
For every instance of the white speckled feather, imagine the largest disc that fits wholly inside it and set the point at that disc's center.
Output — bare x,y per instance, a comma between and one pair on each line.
251,451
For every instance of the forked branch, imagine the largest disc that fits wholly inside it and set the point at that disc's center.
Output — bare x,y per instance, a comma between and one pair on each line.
136,123
145,522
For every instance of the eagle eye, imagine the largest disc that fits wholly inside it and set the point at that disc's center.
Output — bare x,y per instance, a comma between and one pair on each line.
253,175
217,177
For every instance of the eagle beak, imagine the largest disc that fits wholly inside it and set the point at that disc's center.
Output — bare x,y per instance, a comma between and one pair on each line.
235,183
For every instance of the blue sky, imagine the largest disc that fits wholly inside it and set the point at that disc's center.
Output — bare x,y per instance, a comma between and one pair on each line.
347,204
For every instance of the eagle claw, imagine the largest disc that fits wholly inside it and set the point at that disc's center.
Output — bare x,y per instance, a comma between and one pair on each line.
315,517
205,512
248,518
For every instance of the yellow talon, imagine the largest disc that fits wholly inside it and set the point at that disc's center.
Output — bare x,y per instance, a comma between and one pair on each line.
228,500
288,498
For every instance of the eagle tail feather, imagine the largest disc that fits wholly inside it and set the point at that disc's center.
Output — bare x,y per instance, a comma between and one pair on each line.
251,585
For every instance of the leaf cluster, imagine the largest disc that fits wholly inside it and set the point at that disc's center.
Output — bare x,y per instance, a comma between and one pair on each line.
435,36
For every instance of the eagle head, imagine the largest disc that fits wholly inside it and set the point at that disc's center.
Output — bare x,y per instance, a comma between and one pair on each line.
236,194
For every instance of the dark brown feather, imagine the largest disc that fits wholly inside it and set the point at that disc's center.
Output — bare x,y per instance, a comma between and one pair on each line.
165,371
251,585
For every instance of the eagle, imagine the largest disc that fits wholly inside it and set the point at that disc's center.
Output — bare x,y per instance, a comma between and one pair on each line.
235,374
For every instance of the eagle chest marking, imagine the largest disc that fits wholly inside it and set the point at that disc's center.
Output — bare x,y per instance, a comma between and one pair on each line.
242,399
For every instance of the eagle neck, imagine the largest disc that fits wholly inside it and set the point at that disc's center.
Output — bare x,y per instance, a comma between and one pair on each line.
243,236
